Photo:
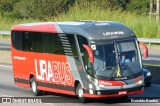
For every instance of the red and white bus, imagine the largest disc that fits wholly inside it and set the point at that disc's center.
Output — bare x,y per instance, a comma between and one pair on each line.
81,58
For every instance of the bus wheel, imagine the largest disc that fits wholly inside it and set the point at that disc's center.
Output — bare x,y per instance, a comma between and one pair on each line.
35,91
124,99
79,93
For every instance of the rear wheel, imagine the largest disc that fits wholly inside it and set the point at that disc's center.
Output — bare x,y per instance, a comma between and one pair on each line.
80,93
35,91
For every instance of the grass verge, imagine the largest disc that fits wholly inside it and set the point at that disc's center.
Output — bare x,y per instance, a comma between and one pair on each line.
5,57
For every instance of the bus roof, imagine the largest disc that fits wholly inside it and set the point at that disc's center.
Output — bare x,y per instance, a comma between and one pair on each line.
92,30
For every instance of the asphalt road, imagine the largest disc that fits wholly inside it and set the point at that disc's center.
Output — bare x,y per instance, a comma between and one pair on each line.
4,44
9,89
153,57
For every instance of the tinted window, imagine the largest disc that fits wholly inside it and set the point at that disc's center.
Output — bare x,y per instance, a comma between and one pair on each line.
81,41
48,42
37,42
27,41
58,48
32,41
84,53
17,40
71,41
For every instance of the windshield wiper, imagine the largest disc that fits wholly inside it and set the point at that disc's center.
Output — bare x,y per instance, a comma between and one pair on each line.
113,72
107,68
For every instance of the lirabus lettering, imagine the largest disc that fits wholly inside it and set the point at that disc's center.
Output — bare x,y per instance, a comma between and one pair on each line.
53,71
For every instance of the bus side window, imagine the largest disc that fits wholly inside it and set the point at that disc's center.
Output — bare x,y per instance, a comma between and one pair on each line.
48,42
72,43
84,54
27,41
58,47
37,42
17,39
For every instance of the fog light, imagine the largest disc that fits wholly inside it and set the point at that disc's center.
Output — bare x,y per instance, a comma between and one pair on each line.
90,91
102,86
98,93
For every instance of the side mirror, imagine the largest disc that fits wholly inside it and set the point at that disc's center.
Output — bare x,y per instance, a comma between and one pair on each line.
145,49
90,53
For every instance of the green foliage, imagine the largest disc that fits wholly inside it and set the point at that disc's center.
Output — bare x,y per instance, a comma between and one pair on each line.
40,9
142,25
138,6
6,6
133,13
119,3
43,9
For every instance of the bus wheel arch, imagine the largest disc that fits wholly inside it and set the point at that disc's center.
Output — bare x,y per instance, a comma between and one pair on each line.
79,92
75,85
33,85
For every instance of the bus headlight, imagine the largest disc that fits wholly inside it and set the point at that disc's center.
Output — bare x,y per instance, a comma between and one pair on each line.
140,82
102,86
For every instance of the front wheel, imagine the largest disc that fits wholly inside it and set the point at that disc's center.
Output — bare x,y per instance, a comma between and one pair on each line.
80,93
35,91
148,84
124,98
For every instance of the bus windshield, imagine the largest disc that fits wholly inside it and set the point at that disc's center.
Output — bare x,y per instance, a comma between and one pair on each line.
122,55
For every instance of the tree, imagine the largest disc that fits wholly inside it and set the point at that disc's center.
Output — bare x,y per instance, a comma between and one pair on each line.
6,6
140,7
40,8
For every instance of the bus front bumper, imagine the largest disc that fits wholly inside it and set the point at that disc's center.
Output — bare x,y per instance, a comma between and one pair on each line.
113,93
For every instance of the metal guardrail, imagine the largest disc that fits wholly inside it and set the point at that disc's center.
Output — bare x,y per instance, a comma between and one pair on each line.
4,33
149,40
144,40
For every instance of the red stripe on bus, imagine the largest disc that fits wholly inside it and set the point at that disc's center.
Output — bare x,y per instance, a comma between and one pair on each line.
113,95
23,85
37,28
56,90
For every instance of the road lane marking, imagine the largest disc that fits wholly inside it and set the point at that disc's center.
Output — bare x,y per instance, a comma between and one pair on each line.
6,95
9,66
49,103
156,85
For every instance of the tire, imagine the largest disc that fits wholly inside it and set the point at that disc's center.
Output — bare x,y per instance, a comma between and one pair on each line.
124,99
35,91
148,84
79,93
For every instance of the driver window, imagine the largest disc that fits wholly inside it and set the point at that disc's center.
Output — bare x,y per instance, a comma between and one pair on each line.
128,56
84,54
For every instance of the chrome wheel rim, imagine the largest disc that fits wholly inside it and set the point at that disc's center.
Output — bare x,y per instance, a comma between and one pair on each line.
80,92
34,86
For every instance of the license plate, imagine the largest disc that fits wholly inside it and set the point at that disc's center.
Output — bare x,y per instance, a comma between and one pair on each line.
122,92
